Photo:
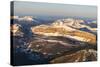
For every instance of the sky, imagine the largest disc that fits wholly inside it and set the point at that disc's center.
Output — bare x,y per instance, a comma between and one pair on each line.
51,9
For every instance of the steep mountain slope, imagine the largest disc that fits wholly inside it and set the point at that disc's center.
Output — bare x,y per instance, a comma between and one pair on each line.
75,23
79,56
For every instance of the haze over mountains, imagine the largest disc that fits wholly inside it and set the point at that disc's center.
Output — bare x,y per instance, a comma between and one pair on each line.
50,9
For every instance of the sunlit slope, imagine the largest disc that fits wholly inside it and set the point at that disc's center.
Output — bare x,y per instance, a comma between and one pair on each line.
64,31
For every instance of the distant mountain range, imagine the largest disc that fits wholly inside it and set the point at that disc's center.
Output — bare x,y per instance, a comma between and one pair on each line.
63,27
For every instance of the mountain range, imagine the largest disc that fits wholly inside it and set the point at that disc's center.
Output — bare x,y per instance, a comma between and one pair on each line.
71,39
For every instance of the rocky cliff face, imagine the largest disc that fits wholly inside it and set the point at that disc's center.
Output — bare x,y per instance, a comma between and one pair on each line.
16,30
